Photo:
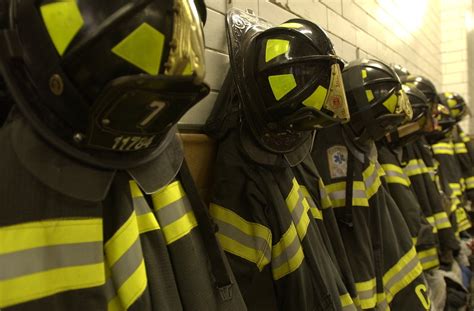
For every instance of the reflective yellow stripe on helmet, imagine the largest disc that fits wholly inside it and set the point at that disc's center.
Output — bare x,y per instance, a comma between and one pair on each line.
317,99
276,47
63,20
143,48
281,84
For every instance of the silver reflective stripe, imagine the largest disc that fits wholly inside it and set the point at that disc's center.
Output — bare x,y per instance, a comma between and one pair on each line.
367,294
253,242
141,206
287,253
369,181
394,173
298,211
428,259
127,264
341,194
174,211
404,271
441,220
109,288
382,305
41,259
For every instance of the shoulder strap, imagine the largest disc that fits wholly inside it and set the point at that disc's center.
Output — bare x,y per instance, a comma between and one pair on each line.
208,229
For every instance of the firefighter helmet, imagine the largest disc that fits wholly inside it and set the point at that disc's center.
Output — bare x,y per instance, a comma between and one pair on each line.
400,70
443,124
377,102
414,128
288,79
105,81
456,104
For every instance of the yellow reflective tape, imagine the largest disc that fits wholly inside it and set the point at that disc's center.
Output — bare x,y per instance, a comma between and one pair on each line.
43,284
391,103
289,264
346,300
294,195
167,195
469,182
238,249
414,240
370,95
336,193
281,84
313,208
316,213
147,222
249,228
142,48
114,305
451,103
291,203
133,287
443,148
317,99
398,271
135,190
179,228
63,20
122,240
364,73
276,47
428,264
253,231
48,233
442,220
371,177
291,25
460,148
367,294
325,199
424,299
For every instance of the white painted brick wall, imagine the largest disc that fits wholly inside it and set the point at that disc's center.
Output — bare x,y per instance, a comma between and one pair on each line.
429,40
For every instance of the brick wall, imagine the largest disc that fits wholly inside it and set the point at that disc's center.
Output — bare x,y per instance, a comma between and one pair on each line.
454,50
381,29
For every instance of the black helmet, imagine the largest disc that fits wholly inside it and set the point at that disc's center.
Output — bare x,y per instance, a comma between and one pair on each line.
423,84
377,102
400,70
443,124
288,78
104,81
456,104
414,128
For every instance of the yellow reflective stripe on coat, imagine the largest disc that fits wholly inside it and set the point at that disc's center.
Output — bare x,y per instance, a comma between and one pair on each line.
416,167
287,254
382,304
460,148
469,183
456,189
248,240
431,220
371,176
124,258
317,214
325,199
429,258
442,220
405,271
367,293
299,208
337,193
462,220
347,303
443,148
173,212
394,174
44,258
146,219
